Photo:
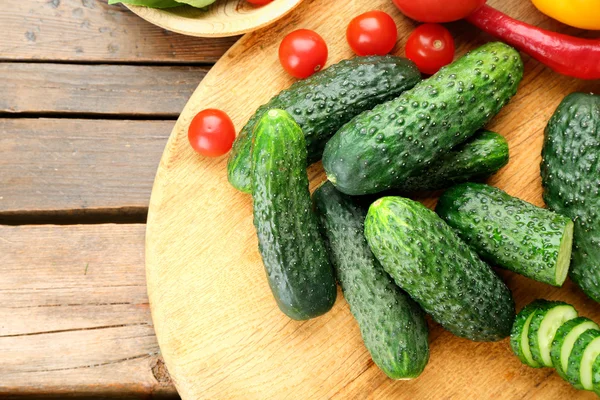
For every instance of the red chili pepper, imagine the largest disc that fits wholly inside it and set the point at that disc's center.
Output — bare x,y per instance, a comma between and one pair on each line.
565,54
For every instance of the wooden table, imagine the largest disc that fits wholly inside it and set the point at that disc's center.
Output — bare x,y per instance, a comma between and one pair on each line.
88,96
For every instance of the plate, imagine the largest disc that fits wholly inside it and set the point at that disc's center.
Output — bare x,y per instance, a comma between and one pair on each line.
221,19
219,329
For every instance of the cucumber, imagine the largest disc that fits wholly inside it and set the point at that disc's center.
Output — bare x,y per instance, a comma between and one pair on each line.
584,353
571,179
564,339
293,251
438,270
324,102
519,335
392,325
478,158
509,232
381,148
546,319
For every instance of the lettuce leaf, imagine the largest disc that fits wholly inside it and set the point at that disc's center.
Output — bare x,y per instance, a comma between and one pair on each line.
164,3
148,3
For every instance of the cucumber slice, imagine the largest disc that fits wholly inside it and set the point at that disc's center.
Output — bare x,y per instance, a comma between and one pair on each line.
579,371
565,338
590,354
519,336
596,376
545,322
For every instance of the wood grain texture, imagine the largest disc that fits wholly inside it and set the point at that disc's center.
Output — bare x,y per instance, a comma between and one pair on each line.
93,31
57,165
221,19
74,316
123,90
218,326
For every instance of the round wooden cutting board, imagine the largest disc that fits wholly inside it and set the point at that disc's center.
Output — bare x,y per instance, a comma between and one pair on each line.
219,329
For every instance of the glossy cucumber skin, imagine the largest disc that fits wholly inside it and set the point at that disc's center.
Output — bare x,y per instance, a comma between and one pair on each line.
559,339
506,231
539,314
596,376
570,172
516,334
574,368
478,158
324,102
438,270
298,268
392,325
381,148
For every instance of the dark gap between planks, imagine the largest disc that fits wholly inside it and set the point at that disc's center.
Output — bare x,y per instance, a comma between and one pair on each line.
127,215
94,116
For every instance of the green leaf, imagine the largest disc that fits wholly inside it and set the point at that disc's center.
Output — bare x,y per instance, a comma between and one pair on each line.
149,3
197,3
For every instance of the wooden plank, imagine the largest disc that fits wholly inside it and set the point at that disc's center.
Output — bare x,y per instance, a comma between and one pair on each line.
68,165
74,316
123,90
93,31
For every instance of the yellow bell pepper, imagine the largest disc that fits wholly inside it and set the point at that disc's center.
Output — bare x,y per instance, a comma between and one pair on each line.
584,14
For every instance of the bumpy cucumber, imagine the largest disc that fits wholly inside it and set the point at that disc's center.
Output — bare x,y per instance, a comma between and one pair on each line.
437,269
564,339
519,335
509,232
324,102
584,353
381,148
547,318
293,251
392,325
478,158
570,177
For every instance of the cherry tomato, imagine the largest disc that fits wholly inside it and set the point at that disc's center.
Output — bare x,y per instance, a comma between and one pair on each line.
259,2
211,133
430,46
438,10
372,33
302,53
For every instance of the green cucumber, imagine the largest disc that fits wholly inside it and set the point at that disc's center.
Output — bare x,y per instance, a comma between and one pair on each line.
546,320
570,176
478,158
509,232
298,268
438,270
519,336
381,148
324,102
564,339
392,325
584,353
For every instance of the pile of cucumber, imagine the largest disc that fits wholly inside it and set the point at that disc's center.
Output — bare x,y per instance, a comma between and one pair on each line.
551,334
383,132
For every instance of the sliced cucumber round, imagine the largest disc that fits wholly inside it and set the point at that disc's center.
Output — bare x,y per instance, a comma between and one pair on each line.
564,339
519,336
544,323
585,351
596,375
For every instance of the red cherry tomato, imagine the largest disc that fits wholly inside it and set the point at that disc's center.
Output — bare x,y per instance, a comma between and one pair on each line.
438,10
259,2
372,33
430,46
211,133
302,53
